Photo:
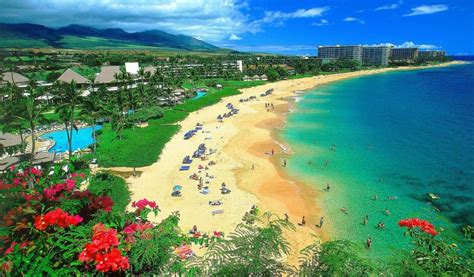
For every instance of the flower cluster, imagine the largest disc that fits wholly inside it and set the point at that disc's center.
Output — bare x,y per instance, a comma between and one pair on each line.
424,225
95,203
103,250
56,192
57,217
143,203
12,246
133,228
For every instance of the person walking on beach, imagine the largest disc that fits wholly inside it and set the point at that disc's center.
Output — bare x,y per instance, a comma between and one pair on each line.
366,220
321,222
273,152
369,242
303,221
287,218
284,163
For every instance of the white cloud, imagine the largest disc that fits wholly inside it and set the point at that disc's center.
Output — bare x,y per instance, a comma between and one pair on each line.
427,9
234,37
272,16
411,44
322,22
408,44
354,19
387,7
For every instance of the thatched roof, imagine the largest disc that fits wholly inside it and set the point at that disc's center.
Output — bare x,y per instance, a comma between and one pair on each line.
18,78
40,158
70,75
107,74
150,69
7,140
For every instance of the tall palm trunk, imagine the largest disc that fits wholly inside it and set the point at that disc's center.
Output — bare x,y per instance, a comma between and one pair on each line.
94,138
22,140
33,142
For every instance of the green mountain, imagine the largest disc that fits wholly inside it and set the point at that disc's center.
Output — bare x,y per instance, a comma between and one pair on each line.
82,37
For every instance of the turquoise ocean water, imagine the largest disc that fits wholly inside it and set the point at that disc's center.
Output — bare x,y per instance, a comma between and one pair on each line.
402,134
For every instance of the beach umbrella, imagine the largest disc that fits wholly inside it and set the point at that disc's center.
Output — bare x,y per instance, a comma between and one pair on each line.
177,188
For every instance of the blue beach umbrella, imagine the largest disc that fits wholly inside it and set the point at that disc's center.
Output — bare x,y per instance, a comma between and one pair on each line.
177,187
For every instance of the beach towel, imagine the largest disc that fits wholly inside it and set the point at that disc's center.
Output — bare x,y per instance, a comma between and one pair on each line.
217,212
184,167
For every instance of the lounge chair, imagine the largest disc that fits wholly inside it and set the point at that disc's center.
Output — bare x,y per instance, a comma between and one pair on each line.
184,167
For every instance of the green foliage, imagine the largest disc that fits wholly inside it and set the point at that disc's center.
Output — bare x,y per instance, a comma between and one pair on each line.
153,256
144,114
334,258
104,183
252,249
436,255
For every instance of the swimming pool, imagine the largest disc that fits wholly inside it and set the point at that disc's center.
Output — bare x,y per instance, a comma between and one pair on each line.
199,94
80,139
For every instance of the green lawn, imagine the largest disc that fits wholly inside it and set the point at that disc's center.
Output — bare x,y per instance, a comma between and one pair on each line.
138,147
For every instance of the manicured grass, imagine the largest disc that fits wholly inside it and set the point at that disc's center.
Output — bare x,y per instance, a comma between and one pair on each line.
113,186
138,146
170,116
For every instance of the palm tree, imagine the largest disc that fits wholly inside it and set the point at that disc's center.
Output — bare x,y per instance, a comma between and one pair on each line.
29,109
92,109
70,97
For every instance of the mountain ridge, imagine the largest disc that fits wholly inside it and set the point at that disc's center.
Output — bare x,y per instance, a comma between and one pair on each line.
73,36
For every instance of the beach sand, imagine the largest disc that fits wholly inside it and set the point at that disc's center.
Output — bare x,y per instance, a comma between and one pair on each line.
242,141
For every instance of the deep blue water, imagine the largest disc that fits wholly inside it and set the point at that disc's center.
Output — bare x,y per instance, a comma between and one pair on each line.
403,134
80,139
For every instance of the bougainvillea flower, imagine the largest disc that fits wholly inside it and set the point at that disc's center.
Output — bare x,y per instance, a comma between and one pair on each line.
424,225
57,217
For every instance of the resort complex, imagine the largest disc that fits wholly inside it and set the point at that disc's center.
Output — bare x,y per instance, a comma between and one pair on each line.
215,138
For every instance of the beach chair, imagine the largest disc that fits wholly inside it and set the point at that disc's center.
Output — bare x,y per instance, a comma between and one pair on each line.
184,167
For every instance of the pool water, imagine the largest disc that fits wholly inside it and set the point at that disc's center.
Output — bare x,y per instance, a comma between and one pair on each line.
80,139
199,94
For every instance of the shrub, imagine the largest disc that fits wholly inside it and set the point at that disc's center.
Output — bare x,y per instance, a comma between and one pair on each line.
54,228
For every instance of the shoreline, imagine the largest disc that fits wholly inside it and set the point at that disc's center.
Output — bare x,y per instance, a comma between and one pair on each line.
241,143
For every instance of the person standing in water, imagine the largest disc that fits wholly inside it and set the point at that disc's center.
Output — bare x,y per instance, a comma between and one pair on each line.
369,242
366,220
327,186
284,163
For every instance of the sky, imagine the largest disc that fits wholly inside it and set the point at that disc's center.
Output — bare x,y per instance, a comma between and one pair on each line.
276,26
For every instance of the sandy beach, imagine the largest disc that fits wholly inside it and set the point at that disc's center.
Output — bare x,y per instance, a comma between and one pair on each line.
243,160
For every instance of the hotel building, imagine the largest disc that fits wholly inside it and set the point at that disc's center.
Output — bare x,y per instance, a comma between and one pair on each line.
351,52
404,54
375,55
432,54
